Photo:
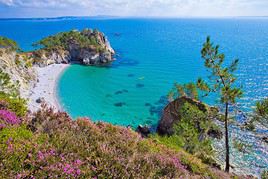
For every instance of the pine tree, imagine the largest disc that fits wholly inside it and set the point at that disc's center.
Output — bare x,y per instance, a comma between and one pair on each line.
221,80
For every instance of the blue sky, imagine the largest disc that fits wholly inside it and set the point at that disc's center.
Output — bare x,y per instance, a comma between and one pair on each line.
145,8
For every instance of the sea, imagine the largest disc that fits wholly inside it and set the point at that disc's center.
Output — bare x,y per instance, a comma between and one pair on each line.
151,56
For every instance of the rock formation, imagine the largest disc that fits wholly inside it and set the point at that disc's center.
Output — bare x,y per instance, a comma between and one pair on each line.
88,47
17,67
171,116
144,131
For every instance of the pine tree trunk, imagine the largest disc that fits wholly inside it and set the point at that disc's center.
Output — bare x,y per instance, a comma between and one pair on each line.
227,160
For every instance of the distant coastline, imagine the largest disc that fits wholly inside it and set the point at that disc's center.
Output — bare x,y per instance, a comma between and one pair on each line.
99,17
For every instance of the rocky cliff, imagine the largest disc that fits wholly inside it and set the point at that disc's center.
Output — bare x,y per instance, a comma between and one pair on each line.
16,66
89,47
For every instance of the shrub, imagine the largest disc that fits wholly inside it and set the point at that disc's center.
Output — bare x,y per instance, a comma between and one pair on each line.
264,175
190,90
52,145
8,118
260,115
191,133
6,84
14,146
8,43
14,104
62,39
262,108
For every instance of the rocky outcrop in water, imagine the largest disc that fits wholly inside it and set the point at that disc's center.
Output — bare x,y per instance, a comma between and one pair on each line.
172,115
88,47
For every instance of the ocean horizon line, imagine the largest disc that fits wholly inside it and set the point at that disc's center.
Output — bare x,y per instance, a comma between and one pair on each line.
99,17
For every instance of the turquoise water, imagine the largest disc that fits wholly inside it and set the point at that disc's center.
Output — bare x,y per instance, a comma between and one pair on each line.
151,56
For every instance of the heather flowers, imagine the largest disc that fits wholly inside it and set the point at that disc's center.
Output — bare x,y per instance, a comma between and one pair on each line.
52,145
8,118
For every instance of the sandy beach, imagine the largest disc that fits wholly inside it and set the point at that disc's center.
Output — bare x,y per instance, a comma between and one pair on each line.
45,87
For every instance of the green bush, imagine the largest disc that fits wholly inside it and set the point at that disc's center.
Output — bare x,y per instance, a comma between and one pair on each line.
262,108
54,146
8,43
264,175
14,104
61,40
191,133
7,85
14,147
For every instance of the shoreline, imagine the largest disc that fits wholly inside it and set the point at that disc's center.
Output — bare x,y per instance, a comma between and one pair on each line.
45,88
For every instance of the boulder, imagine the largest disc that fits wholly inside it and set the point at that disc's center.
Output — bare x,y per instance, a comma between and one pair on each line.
143,130
214,133
40,100
171,116
265,139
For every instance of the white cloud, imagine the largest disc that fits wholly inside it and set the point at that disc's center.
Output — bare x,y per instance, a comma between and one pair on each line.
148,7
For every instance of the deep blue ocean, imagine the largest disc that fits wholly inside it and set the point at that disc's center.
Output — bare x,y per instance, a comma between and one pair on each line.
151,55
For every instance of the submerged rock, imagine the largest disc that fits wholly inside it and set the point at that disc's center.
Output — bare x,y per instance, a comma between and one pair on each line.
139,85
120,104
130,75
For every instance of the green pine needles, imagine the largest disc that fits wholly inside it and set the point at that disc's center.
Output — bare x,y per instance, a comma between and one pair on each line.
221,80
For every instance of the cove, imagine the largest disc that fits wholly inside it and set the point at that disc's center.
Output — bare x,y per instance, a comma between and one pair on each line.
153,54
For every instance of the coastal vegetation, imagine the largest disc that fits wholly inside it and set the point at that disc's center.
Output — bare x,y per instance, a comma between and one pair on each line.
192,133
63,39
8,43
222,80
89,47
50,144
262,111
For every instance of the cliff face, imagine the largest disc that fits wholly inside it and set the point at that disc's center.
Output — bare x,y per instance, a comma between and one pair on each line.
18,68
87,47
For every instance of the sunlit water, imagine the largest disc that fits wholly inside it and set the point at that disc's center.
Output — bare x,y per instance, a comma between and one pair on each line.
150,56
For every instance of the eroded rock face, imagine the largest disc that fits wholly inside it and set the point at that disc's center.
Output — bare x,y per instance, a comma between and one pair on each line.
171,114
98,53
57,56
18,67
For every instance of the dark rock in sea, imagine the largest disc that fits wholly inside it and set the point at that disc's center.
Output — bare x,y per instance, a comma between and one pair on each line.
215,133
118,92
40,100
265,139
130,75
139,85
147,104
143,130
125,91
117,34
121,92
171,115
120,104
